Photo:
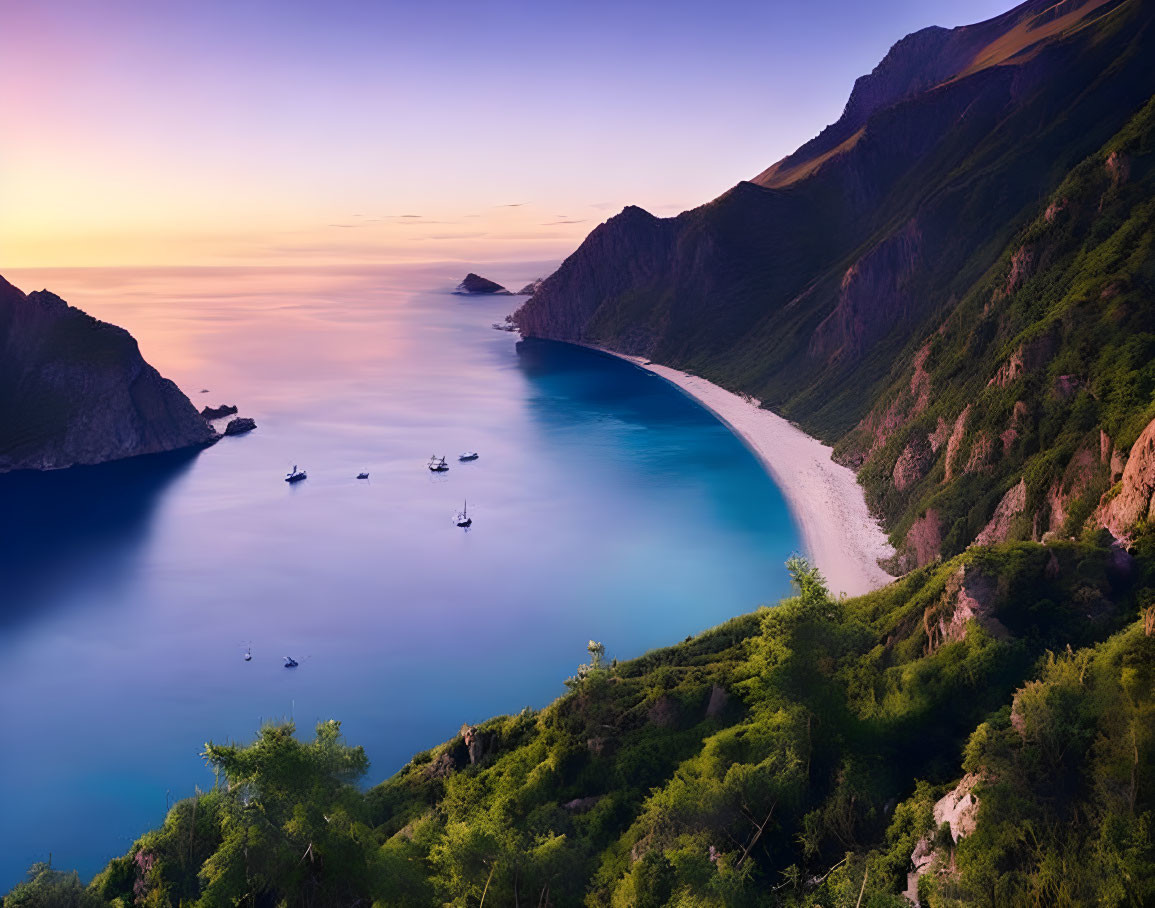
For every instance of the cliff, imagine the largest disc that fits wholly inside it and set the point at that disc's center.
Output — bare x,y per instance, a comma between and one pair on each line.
74,390
819,286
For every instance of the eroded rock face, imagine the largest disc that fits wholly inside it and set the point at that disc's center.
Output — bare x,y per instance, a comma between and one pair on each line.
475,743
1133,502
875,294
912,464
960,809
74,390
923,541
1076,479
1011,506
970,594
1027,357
955,442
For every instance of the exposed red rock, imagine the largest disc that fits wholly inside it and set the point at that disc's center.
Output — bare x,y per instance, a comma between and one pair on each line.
955,441
1133,502
1013,503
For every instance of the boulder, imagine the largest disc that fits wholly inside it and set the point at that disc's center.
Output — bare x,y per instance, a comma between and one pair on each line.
240,426
218,412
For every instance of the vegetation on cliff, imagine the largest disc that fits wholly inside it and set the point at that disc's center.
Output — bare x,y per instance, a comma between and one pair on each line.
797,755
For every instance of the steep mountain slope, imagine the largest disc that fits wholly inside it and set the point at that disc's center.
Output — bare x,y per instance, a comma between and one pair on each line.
74,390
1016,413
813,286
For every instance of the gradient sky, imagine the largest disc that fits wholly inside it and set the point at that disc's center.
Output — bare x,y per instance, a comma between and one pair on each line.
250,131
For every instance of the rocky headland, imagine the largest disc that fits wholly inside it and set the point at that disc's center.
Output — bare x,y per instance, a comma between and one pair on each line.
75,390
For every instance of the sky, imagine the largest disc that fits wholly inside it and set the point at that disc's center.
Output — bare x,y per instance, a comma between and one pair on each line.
254,132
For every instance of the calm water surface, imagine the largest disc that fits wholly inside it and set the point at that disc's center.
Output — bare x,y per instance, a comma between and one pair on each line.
607,505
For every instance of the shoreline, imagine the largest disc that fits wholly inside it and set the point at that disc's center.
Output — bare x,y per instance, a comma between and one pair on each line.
828,506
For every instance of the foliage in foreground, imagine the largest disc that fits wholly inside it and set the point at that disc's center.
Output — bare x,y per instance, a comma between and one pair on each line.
788,757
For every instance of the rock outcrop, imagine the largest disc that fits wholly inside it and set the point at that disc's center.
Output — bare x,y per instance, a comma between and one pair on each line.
959,810
218,412
475,283
74,390
1013,503
531,288
240,426
1133,501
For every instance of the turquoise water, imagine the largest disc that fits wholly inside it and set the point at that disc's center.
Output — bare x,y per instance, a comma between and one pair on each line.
606,505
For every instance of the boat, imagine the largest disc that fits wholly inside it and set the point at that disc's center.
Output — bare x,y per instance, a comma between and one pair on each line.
249,654
468,455
362,475
438,464
463,519
290,662
296,475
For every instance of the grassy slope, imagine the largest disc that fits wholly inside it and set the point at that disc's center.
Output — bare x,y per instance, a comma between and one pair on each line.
841,724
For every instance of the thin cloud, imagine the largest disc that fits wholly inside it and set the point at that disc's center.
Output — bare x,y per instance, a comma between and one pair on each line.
344,225
511,205
571,221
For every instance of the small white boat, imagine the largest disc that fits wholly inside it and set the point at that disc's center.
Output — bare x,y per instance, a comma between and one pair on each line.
296,475
438,464
249,654
468,455
463,519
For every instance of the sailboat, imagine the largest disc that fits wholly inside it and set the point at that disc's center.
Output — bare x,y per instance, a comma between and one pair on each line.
468,455
438,464
290,662
249,654
296,475
463,519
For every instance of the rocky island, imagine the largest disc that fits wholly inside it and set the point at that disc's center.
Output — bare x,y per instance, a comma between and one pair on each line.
75,390
223,410
476,284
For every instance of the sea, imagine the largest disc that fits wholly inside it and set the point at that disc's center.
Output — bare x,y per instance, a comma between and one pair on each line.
606,505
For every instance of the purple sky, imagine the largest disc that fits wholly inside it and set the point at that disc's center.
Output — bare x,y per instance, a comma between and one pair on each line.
240,131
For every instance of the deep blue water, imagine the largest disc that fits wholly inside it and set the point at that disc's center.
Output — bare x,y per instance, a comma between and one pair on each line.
607,505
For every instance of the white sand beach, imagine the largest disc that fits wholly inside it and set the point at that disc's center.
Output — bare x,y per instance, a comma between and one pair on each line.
838,532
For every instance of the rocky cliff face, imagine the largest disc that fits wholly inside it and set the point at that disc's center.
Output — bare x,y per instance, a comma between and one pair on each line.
74,390
832,287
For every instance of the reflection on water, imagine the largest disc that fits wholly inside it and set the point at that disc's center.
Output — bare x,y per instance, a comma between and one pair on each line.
606,505
78,527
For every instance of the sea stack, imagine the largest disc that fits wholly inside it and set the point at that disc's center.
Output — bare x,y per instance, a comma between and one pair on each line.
475,283
218,412
75,390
